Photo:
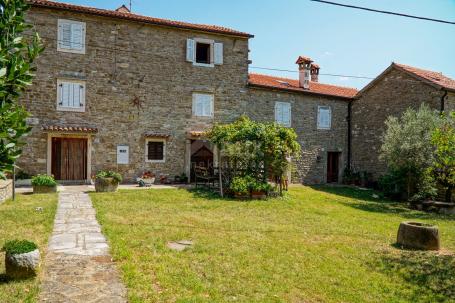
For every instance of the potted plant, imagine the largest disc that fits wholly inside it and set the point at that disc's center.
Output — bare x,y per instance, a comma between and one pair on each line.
259,190
107,181
240,187
22,259
146,179
44,184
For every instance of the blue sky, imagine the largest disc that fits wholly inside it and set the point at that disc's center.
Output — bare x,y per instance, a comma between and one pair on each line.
341,40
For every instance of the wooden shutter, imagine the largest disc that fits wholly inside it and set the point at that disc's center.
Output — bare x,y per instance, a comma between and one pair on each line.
72,95
65,35
324,117
218,51
77,36
190,50
278,112
287,114
155,150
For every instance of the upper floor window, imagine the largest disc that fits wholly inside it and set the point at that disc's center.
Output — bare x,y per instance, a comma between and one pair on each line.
71,36
155,150
283,113
204,52
324,117
71,95
203,105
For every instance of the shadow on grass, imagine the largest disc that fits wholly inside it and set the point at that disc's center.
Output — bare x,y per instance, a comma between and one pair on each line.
209,194
378,205
432,275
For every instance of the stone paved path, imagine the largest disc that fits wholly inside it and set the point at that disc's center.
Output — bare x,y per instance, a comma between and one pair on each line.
78,267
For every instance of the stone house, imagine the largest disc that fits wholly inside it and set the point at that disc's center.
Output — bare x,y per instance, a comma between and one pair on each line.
390,94
120,91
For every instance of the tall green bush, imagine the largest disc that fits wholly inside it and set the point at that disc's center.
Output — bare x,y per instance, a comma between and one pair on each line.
443,168
407,149
18,51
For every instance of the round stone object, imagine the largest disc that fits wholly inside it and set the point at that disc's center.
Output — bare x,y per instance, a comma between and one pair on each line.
22,266
416,235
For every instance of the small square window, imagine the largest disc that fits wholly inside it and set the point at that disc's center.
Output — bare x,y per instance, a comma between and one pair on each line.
71,95
324,117
203,105
155,151
283,113
203,53
71,36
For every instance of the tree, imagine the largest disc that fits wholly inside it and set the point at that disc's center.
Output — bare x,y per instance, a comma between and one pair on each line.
19,47
443,168
408,151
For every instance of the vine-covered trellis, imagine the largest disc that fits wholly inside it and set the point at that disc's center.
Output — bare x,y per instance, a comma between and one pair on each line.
256,150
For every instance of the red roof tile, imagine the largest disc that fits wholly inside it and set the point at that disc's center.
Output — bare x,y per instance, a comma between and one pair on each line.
293,85
434,77
72,129
138,18
157,134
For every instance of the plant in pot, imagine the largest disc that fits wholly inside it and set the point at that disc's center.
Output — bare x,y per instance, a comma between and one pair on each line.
107,181
22,259
183,178
240,187
44,184
146,179
260,190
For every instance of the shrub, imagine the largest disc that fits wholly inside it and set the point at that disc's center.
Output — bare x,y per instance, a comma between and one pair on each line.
240,185
260,186
43,180
15,247
109,174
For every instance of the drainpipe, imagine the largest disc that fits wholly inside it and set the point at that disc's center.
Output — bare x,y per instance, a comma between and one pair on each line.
443,99
349,133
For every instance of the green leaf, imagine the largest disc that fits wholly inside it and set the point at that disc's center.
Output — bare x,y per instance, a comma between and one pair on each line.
3,72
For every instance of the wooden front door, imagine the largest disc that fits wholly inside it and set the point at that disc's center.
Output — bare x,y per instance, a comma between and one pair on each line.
333,162
69,158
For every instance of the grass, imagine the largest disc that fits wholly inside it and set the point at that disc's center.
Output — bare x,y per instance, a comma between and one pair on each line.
20,220
319,244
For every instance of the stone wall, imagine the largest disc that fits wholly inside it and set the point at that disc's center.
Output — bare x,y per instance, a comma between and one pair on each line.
6,190
126,60
391,96
312,166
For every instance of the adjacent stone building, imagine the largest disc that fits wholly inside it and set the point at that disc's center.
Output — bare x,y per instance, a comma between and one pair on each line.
390,94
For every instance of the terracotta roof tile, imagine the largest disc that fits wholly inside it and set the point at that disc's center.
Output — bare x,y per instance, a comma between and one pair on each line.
431,76
293,85
138,18
197,133
157,134
67,128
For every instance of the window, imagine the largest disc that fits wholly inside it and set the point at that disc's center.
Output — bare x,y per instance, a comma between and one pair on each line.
203,105
324,117
71,36
155,150
283,113
70,95
204,52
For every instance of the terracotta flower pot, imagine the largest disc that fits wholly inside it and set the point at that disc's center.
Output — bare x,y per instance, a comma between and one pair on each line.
106,185
261,195
41,189
241,196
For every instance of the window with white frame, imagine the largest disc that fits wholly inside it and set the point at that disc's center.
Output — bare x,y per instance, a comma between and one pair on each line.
324,117
155,150
204,52
71,36
70,95
203,105
283,113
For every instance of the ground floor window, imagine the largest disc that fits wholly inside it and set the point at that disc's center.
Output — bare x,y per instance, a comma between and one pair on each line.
155,150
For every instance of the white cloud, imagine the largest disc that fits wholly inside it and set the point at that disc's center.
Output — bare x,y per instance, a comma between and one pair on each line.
343,79
328,54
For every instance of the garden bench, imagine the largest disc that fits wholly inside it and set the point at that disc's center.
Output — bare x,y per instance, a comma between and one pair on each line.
205,176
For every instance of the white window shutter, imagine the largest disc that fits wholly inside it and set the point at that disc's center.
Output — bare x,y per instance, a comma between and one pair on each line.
190,50
65,35
76,36
287,111
278,113
65,94
218,50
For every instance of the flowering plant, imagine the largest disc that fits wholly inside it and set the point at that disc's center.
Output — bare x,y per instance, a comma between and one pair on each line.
147,175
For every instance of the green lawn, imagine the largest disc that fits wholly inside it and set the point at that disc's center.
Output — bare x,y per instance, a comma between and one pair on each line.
318,244
20,220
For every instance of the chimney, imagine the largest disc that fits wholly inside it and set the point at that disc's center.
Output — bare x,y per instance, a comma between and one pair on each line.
314,72
123,9
304,71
